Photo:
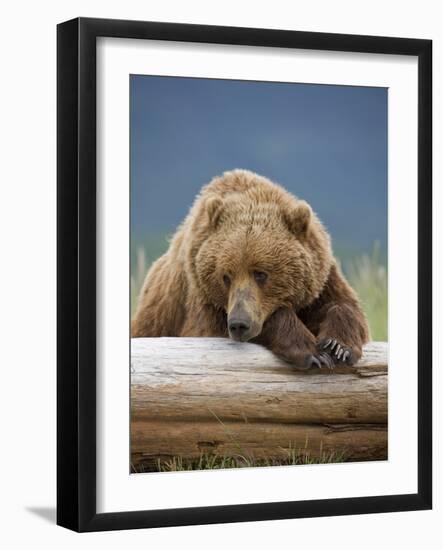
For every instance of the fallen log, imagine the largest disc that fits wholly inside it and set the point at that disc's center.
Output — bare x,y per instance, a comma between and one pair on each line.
211,395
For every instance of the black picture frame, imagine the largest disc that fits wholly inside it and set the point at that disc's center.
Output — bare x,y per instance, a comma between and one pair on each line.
76,279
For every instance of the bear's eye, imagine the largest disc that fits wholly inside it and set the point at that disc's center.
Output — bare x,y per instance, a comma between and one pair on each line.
226,280
260,277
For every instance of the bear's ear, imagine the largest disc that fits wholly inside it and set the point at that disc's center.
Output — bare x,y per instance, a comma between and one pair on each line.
299,218
214,206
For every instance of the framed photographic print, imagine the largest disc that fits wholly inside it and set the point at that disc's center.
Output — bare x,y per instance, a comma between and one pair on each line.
244,274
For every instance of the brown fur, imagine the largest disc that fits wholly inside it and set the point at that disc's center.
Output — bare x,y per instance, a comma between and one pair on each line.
243,228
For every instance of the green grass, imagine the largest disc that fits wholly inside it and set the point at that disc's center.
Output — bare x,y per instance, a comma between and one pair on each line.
217,462
368,276
143,253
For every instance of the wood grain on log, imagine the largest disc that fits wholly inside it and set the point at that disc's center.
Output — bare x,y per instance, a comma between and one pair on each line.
194,395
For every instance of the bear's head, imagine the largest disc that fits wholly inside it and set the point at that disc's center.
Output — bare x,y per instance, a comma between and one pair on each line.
255,251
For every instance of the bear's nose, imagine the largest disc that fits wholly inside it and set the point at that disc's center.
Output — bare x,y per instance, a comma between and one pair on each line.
238,328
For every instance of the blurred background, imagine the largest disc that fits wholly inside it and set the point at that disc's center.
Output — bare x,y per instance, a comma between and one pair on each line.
325,144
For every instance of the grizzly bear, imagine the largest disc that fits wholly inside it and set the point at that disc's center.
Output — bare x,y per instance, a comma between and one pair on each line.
254,263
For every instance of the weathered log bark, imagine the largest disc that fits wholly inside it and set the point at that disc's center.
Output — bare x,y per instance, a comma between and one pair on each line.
212,395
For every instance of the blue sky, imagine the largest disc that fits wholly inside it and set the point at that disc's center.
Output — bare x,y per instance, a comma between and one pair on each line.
326,144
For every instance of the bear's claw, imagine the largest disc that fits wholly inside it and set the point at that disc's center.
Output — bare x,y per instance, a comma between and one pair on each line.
322,359
318,361
314,362
336,351
310,361
326,360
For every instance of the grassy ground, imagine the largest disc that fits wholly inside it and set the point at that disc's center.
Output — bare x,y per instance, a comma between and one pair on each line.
367,274
216,462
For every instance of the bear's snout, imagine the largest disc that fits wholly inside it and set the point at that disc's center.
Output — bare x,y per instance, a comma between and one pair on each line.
244,322
239,329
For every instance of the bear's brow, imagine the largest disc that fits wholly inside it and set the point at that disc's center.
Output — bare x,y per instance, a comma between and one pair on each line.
258,214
